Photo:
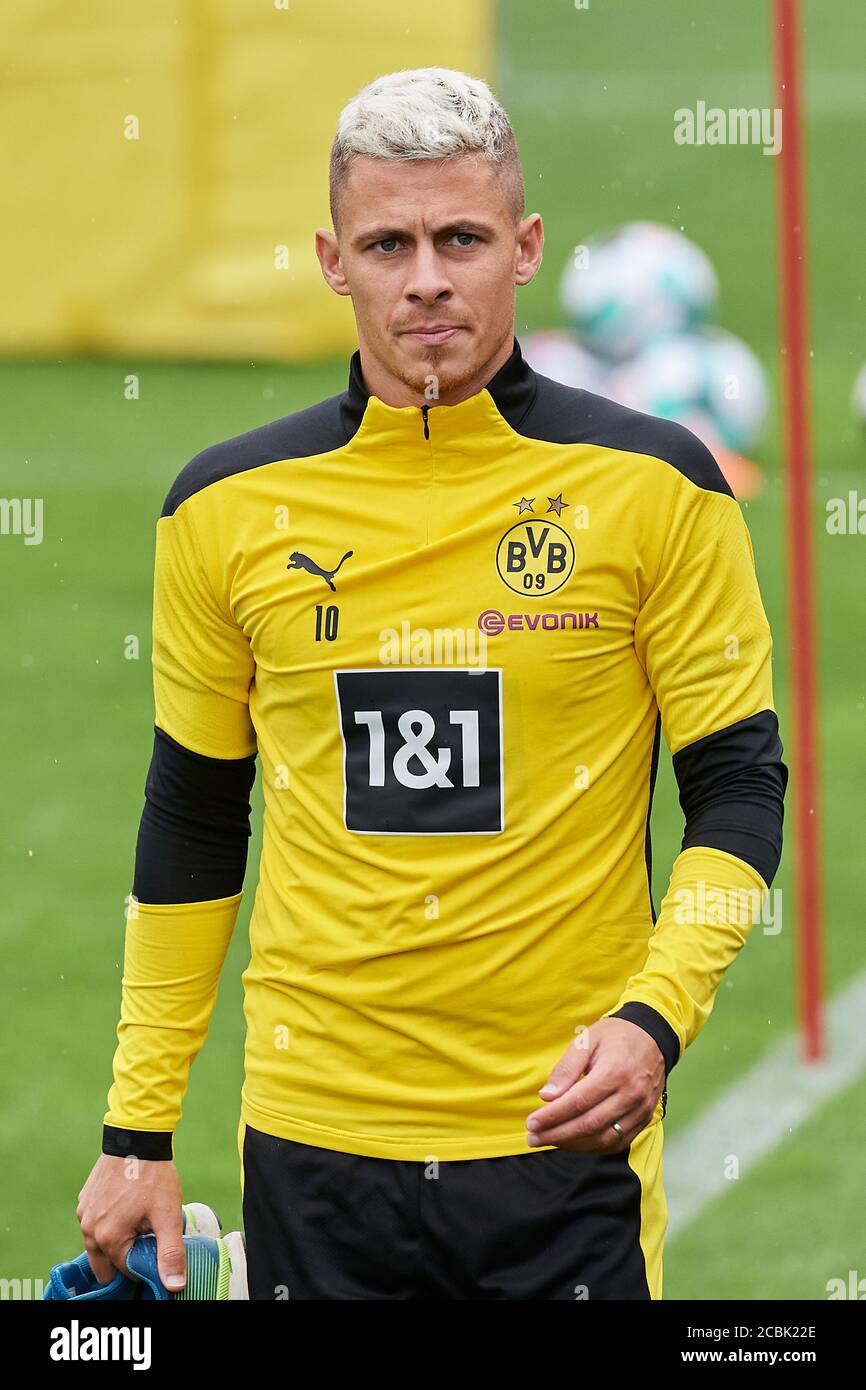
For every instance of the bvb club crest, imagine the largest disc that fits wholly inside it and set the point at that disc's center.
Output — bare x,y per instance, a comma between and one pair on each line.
535,557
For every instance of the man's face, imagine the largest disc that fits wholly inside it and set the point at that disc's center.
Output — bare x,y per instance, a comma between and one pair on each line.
430,252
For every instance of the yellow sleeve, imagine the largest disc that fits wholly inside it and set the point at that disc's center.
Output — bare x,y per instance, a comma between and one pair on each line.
202,661
187,887
702,635
172,962
712,903
704,641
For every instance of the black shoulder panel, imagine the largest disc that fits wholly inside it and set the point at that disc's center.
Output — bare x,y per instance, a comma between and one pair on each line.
566,415
316,430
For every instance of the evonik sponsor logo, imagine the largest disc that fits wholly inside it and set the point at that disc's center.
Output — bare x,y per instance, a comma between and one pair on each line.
492,621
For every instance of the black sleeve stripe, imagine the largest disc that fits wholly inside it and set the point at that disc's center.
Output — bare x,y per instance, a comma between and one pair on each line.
195,827
732,788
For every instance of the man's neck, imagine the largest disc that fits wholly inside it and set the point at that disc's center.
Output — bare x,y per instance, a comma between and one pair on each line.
393,391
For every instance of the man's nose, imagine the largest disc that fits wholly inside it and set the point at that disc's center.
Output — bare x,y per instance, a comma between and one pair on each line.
427,279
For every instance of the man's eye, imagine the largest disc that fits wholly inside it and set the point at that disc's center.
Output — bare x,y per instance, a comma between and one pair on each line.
469,235
389,243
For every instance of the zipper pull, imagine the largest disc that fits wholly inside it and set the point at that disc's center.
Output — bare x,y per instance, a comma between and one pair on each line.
424,410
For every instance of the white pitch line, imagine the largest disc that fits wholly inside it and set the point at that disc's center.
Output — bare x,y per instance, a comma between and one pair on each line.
762,1108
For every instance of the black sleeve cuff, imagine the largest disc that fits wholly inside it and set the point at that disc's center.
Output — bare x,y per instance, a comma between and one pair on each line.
151,1145
658,1028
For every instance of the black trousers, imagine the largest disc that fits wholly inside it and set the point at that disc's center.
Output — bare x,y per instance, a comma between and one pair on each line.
551,1225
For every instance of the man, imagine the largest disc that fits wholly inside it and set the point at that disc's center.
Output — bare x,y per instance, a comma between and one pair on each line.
450,609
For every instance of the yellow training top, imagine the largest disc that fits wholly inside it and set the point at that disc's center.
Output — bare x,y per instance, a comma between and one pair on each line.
449,634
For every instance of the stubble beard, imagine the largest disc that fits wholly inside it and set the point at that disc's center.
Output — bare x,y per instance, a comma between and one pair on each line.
433,377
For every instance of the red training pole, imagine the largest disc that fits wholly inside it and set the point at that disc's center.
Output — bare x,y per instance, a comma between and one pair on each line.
801,564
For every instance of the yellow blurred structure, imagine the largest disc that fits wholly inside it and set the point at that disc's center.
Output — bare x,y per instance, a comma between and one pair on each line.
166,166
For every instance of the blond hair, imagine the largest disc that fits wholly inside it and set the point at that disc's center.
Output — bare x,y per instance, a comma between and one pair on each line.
426,113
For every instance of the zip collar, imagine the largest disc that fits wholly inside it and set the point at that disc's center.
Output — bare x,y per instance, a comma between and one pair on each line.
512,389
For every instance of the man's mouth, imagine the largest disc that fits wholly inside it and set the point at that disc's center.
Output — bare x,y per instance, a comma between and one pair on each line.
435,333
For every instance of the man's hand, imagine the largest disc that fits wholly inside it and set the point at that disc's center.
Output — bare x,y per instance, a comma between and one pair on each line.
612,1071
124,1198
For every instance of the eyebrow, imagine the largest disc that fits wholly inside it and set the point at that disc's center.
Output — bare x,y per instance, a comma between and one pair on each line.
382,233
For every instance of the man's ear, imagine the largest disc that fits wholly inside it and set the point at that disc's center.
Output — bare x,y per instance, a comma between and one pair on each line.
530,246
328,252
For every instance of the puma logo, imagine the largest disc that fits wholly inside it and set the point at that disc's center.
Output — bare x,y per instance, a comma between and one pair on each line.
299,561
